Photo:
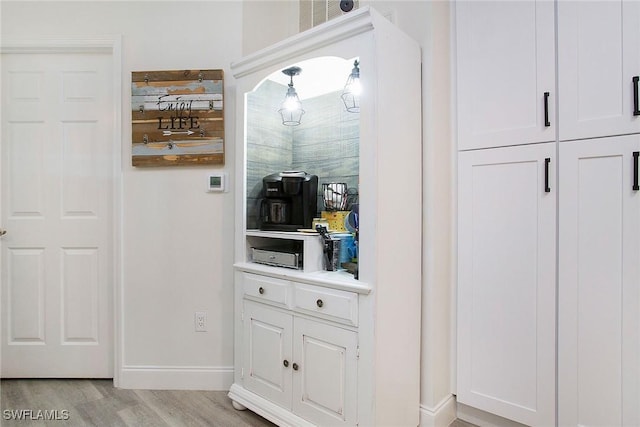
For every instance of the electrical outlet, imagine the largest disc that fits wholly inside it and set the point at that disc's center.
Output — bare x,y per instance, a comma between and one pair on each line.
201,321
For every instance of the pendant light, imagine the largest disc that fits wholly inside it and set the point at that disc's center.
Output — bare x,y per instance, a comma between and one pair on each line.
291,109
352,89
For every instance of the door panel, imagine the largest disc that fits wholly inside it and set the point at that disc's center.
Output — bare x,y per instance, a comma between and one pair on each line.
267,344
505,64
506,282
57,207
324,385
26,296
598,56
599,292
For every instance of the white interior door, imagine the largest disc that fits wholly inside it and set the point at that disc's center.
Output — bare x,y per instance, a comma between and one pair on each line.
56,205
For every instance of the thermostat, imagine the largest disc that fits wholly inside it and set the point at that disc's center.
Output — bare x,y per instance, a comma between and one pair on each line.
217,182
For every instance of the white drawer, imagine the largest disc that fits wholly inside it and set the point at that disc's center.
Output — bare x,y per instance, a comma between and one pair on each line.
330,303
266,289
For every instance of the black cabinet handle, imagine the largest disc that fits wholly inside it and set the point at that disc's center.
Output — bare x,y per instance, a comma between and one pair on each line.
295,367
285,363
261,290
547,123
636,187
319,303
636,110
547,189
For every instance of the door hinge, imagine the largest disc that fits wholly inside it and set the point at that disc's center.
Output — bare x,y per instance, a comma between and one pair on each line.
241,372
242,316
358,352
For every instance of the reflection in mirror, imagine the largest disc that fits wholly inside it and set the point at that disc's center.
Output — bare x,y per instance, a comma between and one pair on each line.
326,143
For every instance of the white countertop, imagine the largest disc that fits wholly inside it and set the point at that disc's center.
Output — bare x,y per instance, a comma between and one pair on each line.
340,279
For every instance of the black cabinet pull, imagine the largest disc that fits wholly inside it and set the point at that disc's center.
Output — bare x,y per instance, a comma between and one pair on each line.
547,123
295,367
547,189
636,110
285,363
636,187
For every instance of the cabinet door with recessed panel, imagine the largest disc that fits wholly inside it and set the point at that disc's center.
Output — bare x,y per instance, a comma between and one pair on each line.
506,282
598,68
267,352
599,283
325,373
505,73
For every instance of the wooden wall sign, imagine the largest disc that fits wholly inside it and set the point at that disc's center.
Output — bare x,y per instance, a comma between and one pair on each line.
177,117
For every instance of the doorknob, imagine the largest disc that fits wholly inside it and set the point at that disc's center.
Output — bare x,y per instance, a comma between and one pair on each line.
2,232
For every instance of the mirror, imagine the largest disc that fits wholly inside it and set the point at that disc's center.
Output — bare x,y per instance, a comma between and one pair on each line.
325,143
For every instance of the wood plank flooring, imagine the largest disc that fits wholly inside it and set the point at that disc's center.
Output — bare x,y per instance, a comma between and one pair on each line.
98,403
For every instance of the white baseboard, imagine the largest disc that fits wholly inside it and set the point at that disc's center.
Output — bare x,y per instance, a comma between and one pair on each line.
441,415
176,377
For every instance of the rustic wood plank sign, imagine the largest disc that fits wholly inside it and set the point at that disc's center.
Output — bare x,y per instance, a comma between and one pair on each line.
177,117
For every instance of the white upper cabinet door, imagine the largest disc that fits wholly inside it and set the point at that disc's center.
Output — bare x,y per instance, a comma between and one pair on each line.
506,282
505,73
599,288
598,68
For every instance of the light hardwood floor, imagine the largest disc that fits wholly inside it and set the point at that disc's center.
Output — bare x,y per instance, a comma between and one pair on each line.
98,403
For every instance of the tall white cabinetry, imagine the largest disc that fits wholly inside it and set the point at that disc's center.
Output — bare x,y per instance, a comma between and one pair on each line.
599,292
506,292
506,208
595,199
314,347
599,283
599,68
505,85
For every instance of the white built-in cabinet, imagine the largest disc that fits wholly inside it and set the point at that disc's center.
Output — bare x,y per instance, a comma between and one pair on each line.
513,213
598,68
506,334
315,347
306,366
599,283
505,85
506,282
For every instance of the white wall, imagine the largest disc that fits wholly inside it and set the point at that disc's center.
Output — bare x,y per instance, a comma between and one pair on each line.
268,21
177,243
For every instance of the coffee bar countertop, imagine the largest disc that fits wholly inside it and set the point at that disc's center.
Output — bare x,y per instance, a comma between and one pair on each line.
341,279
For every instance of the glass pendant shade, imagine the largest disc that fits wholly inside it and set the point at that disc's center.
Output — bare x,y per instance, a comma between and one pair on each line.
291,109
352,89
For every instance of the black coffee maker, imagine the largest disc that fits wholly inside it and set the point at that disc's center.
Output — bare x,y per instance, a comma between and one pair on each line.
290,201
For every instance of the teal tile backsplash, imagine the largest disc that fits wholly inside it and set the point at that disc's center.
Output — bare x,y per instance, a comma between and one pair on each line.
326,143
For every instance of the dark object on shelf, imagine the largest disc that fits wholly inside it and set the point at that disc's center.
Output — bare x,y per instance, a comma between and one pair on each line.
331,249
289,202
